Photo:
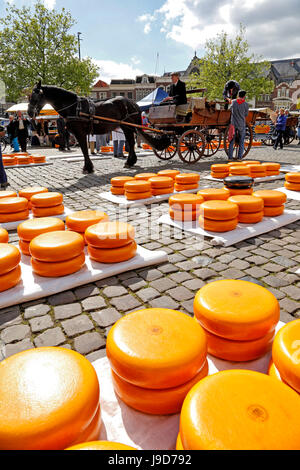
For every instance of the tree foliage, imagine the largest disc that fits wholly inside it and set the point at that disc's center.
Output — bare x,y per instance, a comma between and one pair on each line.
38,45
229,59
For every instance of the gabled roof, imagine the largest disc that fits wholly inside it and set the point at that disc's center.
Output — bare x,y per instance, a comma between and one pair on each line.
101,84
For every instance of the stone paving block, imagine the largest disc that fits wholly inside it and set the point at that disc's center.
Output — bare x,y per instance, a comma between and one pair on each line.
187,307
162,285
168,268
292,291
180,277
286,317
94,356
273,267
181,293
63,298
52,337
186,265
93,303
10,316
257,272
226,259
278,294
109,281
204,273
67,311
253,280
232,273
194,284
15,348
77,325
134,283
285,262
38,324
239,264
124,276
176,258
164,302
88,342
289,305
106,317
15,333
264,253
36,311
218,267
114,291
147,294
86,291
258,260
125,303
150,274
275,281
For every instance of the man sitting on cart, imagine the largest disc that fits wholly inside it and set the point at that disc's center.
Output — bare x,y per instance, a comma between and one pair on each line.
177,95
230,92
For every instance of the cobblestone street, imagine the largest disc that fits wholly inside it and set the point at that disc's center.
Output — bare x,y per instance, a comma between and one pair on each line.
82,317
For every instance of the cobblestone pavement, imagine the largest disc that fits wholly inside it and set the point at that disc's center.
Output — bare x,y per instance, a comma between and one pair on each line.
82,317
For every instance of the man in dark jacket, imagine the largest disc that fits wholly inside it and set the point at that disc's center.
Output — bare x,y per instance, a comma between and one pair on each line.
22,131
280,128
12,134
230,92
177,92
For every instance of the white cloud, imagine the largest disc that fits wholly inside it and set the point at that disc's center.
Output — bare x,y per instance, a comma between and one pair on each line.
272,26
110,70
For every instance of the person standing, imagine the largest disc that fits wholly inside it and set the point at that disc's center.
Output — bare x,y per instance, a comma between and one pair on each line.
119,139
22,131
61,129
92,143
46,133
12,134
145,123
230,92
239,112
280,128
3,177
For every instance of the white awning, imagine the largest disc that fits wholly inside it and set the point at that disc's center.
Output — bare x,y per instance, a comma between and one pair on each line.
23,107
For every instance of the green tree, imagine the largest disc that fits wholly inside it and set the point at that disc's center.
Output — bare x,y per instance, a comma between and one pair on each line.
38,45
229,59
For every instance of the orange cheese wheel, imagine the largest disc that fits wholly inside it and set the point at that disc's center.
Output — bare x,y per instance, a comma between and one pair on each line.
185,187
170,173
38,159
50,400
119,181
273,372
217,225
286,353
59,268
13,204
158,192
158,182
220,168
240,170
271,198
231,164
187,178
258,175
292,186
219,210
29,192
110,234
183,215
236,310
48,211
117,191
239,351
14,216
81,220
256,168
188,202
7,281
242,192
250,218
163,401
219,175
24,247
271,166
273,211
137,186
156,348
250,162
9,257
113,255
272,173
292,177
248,203
101,445
49,199
213,194
144,176
137,196
260,413
33,227
4,237
56,246
23,160
9,161
5,194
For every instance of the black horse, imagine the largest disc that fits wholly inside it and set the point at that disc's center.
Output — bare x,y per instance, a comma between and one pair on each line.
69,105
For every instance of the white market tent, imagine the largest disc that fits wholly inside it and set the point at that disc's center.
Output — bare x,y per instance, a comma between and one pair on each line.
47,112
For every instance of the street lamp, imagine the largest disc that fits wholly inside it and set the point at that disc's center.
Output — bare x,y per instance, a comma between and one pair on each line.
79,52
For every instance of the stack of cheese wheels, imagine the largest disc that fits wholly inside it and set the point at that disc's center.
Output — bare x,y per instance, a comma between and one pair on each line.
272,169
240,410
239,185
251,209
237,170
31,228
10,270
47,204
105,149
4,194
23,160
273,201
13,209
144,176
214,194
292,181
239,318
111,242
240,191
218,216
31,191
101,445
117,184
57,254
286,355
81,220
137,189
156,356
49,400
9,160
220,171
4,237
161,185
38,159
257,170
187,181
169,173
185,207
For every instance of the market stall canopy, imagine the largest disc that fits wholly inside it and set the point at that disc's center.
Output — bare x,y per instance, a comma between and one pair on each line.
47,110
155,97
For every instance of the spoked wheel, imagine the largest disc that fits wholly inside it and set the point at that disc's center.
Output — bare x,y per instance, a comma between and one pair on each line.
168,153
247,143
191,146
270,138
213,141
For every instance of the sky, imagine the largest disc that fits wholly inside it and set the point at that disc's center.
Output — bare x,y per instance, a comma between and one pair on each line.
126,38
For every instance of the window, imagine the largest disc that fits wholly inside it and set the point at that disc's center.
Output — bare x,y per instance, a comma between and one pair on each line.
114,94
102,95
130,95
122,93
145,80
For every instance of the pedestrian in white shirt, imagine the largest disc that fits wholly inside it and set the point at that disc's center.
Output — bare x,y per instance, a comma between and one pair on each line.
119,139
